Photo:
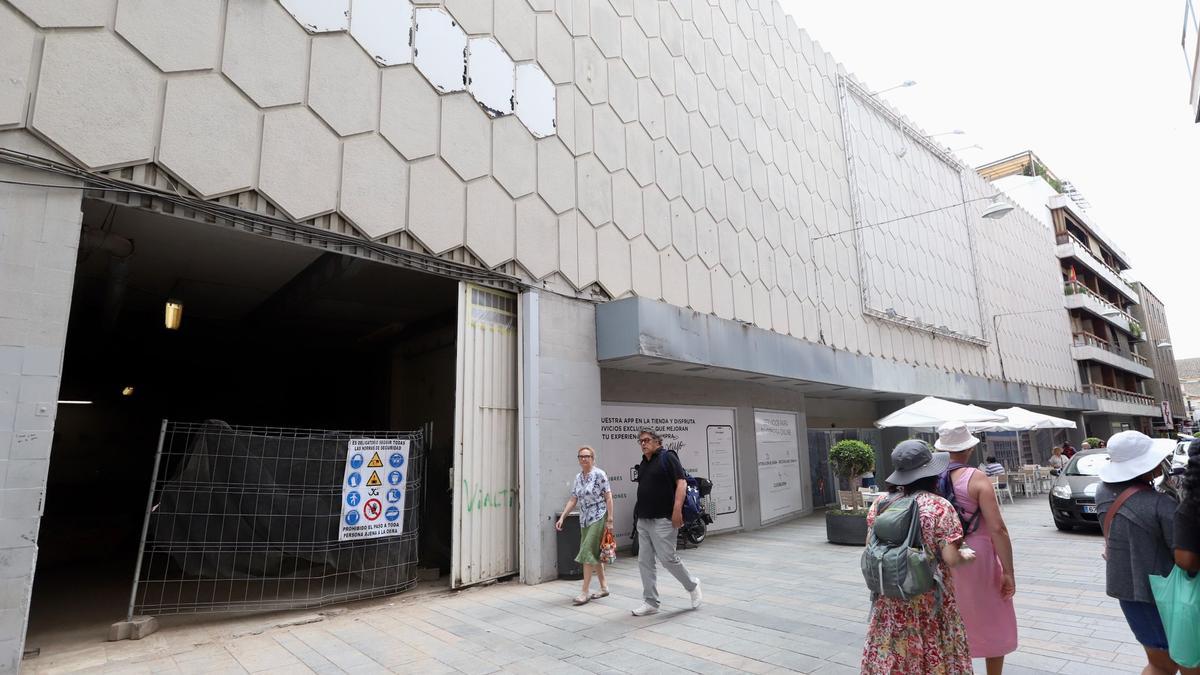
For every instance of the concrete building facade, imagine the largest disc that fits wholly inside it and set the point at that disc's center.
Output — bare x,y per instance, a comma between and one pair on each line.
700,214
1164,387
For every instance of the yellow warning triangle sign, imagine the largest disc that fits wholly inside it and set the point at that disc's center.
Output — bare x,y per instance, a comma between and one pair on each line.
375,462
374,481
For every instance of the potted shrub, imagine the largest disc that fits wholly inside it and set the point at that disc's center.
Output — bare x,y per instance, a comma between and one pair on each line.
847,524
1093,441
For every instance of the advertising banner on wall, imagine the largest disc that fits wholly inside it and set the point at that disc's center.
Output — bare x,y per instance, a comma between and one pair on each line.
703,437
780,492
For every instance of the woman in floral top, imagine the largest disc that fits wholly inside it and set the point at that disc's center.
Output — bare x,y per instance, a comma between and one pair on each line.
918,635
594,497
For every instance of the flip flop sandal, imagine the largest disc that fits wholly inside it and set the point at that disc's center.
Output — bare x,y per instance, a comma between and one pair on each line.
602,594
580,601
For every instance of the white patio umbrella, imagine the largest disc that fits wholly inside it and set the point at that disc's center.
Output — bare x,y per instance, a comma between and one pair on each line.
931,412
1020,419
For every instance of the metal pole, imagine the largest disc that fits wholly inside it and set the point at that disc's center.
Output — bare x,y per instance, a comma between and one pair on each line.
999,352
137,570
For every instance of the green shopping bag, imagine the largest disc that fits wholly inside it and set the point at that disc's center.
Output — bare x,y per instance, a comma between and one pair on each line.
1178,600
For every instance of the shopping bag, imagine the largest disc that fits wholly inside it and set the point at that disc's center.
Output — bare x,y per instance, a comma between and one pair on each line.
608,548
1178,600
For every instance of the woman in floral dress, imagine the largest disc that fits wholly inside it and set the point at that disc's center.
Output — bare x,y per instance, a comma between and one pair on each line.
907,637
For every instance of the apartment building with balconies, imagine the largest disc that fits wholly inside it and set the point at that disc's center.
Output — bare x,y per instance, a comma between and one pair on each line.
1106,337
1164,386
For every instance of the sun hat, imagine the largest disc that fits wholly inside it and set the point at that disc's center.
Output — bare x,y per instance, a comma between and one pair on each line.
955,437
914,460
1132,453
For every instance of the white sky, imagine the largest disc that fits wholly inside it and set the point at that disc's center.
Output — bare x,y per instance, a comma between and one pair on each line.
1098,89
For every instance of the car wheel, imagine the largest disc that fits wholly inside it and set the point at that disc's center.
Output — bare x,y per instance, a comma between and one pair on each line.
1065,527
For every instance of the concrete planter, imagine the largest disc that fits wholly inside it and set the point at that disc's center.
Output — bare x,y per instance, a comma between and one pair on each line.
846,529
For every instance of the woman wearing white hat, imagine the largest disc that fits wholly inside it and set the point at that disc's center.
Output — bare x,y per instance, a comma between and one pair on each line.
1138,525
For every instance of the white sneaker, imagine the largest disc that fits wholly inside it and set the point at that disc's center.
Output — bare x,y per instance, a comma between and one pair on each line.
696,596
645,610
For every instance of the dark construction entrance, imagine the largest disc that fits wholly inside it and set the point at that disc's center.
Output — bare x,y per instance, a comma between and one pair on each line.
272,334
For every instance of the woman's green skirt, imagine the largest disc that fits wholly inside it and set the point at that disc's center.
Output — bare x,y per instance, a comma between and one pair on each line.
589,543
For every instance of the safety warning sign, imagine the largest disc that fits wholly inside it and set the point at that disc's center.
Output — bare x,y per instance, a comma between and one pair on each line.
369,507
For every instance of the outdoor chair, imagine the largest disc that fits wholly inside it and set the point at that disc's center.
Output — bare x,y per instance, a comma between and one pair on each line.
1001,487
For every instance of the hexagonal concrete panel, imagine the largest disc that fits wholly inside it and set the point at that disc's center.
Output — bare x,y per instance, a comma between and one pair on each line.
610,138
748,248
16,56
343,86
657,221
647,279
266,53
674,278
174,34
439,49
728,240
66,13
613,261
606,29
210,135
555,51
683,228
300,163
627,204
666,168
535,100
491,76
491,228
374,186
409,112
594,187
699,286
384,29
516,169
556,174
537,237
707,242
639,154
466,137
692,181
722,294
591,71
622,91
635,48
473,15
320,16
97,99
437,205
515,28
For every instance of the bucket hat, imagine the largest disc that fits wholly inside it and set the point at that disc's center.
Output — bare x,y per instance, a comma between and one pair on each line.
955,437
914,460
1132,453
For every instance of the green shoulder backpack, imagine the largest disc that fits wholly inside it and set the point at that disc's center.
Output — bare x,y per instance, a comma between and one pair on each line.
895,563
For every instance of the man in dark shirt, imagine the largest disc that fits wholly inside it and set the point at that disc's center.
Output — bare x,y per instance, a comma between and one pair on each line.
659,513
1068,449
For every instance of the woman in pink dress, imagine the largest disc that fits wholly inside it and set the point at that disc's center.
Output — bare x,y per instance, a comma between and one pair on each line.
984,589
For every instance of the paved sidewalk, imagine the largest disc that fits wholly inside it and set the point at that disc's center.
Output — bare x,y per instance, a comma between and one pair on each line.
776,600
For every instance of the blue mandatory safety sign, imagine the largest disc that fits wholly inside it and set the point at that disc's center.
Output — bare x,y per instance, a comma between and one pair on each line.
352,518
353,498
397,460
354,479
356,462
393,495
395,478
392,513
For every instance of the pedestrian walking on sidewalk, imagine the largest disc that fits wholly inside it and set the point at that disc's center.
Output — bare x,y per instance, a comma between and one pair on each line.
985,588
1187,516
593,494
1139,529
659,515
922,634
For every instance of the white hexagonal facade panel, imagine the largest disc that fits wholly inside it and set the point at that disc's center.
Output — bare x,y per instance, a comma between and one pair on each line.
491,76
594,189
515,27
516,169
613,261
475,16
209,135
535,100
491,229
537,237
374,185
66,13
555,53
266,53
16,55
556,175
97,99
300,163
384,29
440,50
466,137
437,205
409,113
343,86
174,34
320,16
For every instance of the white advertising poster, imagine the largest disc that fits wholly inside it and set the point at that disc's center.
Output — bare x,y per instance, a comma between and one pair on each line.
704,439
373,487
779,489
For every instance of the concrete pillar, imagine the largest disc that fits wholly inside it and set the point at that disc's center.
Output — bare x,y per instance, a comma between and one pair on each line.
890,438
560,411
39,240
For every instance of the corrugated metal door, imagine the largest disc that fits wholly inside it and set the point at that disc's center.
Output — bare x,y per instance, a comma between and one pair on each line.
485,438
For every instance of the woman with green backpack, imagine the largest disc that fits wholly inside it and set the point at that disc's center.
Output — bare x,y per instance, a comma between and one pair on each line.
913,539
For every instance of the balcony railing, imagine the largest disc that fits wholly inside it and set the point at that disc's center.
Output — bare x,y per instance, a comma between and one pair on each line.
1113,394
1077,288
1086,339
1116,280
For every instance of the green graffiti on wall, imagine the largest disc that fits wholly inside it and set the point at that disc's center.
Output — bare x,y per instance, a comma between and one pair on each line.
478,499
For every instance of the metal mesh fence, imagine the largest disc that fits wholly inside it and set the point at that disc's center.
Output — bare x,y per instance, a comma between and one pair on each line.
246,519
